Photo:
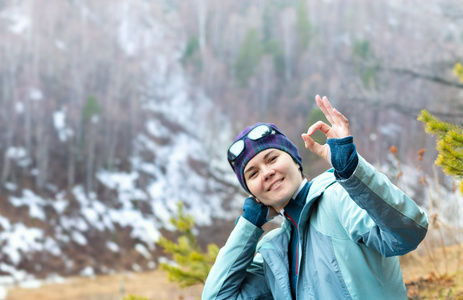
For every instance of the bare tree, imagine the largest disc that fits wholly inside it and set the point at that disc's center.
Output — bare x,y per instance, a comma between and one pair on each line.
9,98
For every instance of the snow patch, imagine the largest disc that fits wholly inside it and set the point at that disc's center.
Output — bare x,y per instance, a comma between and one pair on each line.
112,246
59,121
35,94
19,22
87,272
35,203
143,251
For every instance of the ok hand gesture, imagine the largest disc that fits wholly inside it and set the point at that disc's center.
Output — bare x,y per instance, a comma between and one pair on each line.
339,128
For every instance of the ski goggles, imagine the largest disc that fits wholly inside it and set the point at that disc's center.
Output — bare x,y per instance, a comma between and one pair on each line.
258,132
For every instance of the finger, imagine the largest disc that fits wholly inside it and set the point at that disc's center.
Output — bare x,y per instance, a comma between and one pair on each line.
338,117
327,109
343,124
342,120
308,141
313,146
333,112
323,107
320,125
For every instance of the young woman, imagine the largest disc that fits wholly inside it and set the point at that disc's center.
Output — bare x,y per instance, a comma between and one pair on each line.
342,232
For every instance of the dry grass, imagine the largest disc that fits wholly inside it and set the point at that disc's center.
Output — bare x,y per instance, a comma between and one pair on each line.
428,274
436,287
434,274
152,285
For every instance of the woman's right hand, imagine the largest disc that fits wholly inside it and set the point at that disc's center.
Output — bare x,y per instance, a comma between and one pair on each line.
256,212
339,128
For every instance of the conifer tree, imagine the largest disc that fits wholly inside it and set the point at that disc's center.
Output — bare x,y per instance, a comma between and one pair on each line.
192,263
449,141
248,57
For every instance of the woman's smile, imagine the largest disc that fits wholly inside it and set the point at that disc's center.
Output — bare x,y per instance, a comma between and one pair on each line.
273,177
275,185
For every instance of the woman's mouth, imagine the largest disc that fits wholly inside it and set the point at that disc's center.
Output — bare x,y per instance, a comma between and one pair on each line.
275,185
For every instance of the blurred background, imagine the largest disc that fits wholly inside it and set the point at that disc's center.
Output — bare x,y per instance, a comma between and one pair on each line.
114,111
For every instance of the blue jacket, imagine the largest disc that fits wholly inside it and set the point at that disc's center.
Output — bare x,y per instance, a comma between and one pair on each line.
351,233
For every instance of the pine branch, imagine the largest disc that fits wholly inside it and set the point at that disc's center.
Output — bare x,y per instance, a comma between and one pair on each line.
435,126
449,144
456,137
448,150
192,264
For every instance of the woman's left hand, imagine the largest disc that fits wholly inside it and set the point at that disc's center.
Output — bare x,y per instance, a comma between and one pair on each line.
339,128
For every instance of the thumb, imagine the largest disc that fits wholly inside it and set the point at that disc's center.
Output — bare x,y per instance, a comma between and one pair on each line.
320,150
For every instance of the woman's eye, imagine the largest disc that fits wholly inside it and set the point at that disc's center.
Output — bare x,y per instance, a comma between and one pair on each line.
251,175
273,158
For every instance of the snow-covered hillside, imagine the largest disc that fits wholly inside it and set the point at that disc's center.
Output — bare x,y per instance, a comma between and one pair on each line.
103,132
178,155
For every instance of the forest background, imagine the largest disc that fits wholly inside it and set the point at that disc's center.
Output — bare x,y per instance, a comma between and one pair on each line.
81,80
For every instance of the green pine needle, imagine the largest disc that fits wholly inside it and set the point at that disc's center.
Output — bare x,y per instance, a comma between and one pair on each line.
192,264
449,144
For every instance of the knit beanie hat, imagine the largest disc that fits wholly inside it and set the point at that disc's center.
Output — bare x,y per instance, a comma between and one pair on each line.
276,139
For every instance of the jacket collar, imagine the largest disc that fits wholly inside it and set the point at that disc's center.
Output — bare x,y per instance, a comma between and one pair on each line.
294,208
318,186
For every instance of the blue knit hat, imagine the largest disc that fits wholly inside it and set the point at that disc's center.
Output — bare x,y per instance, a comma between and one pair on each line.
276,140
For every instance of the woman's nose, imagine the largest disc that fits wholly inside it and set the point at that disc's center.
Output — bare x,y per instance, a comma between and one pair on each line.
268,173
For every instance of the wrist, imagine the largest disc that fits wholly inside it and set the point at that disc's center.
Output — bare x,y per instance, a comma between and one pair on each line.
343,154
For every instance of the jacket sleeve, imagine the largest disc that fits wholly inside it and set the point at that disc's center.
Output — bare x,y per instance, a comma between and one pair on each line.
381,215
237,273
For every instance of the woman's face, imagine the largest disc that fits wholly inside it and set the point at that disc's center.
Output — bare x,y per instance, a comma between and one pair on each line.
273,177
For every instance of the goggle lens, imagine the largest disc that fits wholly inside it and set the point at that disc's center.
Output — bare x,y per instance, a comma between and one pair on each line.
255,134
235,149
259,132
